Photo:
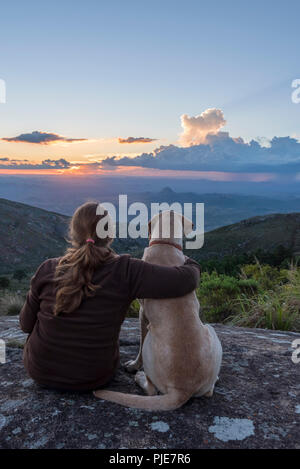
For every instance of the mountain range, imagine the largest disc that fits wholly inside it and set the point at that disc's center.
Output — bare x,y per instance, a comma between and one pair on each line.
29,235
64,194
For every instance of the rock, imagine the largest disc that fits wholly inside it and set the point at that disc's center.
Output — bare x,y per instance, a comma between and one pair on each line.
256,402
226,429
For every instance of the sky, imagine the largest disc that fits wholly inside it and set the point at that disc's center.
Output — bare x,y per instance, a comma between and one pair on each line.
192,88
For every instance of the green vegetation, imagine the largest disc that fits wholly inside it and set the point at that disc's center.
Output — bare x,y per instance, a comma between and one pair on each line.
217,294
10,303
257,289
134,309
13,292
262,296
258,296
231,265
14,344
272,238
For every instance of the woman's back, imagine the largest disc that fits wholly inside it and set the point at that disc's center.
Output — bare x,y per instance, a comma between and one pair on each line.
81,343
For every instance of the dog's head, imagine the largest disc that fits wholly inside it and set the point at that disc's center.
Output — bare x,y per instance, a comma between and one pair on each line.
169,225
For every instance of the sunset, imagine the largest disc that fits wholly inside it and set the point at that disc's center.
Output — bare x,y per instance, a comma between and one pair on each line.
125,103
149,228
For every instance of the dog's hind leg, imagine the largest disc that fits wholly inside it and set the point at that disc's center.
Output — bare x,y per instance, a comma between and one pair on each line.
205,393
134,365
145,383
210,392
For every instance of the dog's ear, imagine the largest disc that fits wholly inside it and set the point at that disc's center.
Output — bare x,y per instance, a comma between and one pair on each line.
188,225
152,223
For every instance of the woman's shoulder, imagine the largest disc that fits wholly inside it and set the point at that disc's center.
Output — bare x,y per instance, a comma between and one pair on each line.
48,265
51,262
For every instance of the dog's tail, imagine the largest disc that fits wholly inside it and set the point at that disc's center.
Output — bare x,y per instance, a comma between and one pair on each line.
171,401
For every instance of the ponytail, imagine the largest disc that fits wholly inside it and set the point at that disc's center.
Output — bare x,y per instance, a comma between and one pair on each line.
74,272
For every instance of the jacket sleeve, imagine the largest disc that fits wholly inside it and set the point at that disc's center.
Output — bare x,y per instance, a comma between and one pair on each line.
155,281
28,314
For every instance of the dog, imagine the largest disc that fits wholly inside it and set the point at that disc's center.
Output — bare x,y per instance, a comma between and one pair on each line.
181,356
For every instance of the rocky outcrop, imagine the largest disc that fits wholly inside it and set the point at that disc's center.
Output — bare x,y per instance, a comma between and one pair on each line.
256,402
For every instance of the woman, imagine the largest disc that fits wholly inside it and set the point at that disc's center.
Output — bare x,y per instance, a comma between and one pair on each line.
77,303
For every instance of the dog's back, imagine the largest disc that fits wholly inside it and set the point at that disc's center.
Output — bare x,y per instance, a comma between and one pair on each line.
179,340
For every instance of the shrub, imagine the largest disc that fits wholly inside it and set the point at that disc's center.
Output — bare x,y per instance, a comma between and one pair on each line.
4,282
134,309
217,294
267,277
231,265
259,296
228,265
15,344
11,304
270,310
276,308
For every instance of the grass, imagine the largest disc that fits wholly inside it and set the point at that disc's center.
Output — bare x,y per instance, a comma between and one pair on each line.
260,296
217,294
275,308
10,303
14,344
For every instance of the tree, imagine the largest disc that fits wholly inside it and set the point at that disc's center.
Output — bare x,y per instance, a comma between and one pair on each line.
19,274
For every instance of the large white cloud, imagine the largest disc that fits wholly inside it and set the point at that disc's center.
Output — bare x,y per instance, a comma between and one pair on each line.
196,129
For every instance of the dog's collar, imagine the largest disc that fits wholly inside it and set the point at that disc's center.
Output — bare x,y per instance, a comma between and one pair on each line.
162,241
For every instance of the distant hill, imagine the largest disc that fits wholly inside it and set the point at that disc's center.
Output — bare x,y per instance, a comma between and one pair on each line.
266,233
29,235
64,195
222,209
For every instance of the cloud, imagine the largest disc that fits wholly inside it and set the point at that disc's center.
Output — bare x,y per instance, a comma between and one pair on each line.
220,152
42,138
216,152
196,129
136,140
25,164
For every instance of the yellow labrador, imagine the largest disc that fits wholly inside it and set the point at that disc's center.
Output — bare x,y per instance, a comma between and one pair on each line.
181,356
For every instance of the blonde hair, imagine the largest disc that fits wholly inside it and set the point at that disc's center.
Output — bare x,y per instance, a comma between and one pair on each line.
74,272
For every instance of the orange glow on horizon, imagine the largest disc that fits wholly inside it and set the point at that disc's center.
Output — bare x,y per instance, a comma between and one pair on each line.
81,170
